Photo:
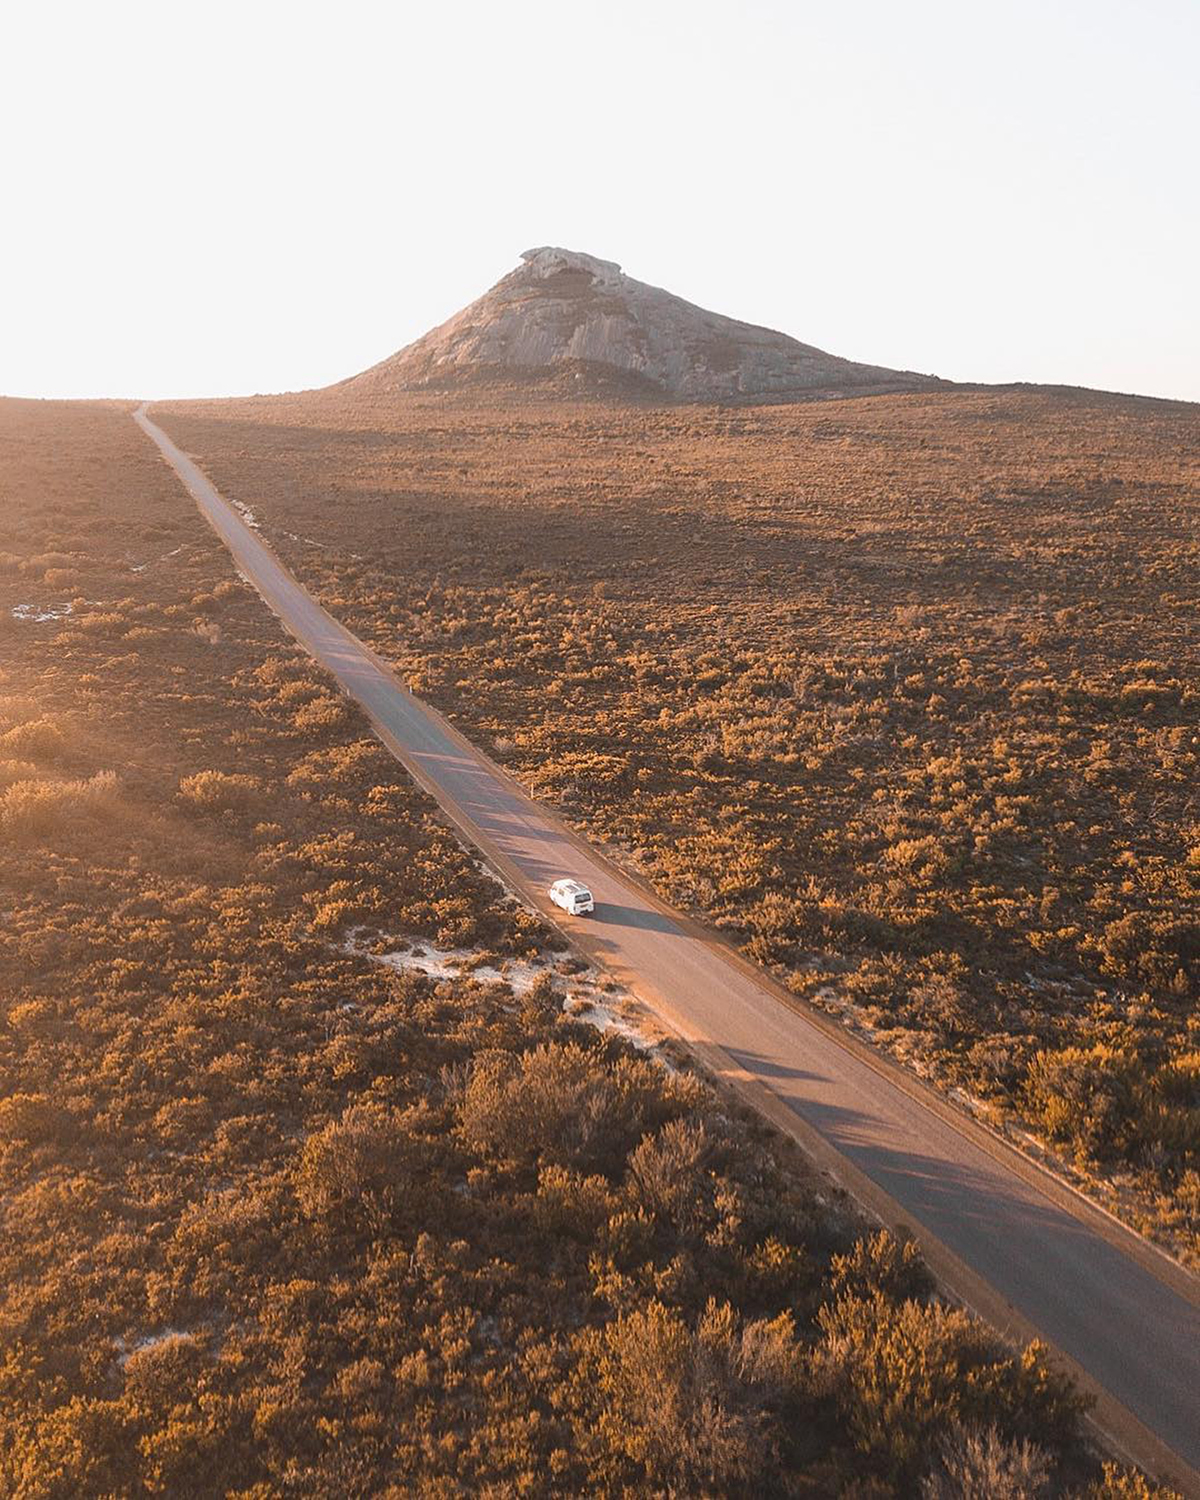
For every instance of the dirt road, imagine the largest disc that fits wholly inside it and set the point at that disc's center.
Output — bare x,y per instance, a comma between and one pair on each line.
1024,1251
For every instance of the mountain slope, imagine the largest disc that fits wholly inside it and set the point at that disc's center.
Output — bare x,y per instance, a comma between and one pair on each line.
562,312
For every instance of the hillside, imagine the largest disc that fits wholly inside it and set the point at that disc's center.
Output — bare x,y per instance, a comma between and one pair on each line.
574,321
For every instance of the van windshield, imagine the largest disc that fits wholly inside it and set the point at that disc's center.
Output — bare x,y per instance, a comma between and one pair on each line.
583,895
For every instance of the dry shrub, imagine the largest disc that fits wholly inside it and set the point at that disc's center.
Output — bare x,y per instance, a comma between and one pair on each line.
165,1372
979,1464
1152,950
881,1263
330,916
102,622
694,1410
34,1119
15,709
34,809
220,791
900,1373
78,1448
342,763
1179,1080
1117,1483
671,1175
37,739
922,857
1085,1096
299,690
321,714
227,1230
559,1103
17,770
273,669
569,1203
362,1170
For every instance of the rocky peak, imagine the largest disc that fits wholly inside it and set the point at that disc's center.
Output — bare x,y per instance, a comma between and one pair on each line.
551,260
563,312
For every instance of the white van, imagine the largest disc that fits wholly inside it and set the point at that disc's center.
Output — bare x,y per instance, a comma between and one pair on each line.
574,898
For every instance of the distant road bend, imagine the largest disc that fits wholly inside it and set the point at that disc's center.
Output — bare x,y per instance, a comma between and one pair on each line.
1025,1252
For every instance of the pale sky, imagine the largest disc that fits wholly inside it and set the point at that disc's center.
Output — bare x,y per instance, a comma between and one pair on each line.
217,199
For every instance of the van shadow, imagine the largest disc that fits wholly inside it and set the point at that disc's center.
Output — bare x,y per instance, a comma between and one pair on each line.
609,914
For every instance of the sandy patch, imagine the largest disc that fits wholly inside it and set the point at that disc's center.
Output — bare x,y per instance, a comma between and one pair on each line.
588,994
37,613
245,512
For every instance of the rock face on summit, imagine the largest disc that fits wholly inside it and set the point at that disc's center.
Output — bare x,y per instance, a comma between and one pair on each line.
562,312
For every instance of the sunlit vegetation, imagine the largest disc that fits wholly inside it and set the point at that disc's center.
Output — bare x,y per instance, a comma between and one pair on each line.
279,1220
901,693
